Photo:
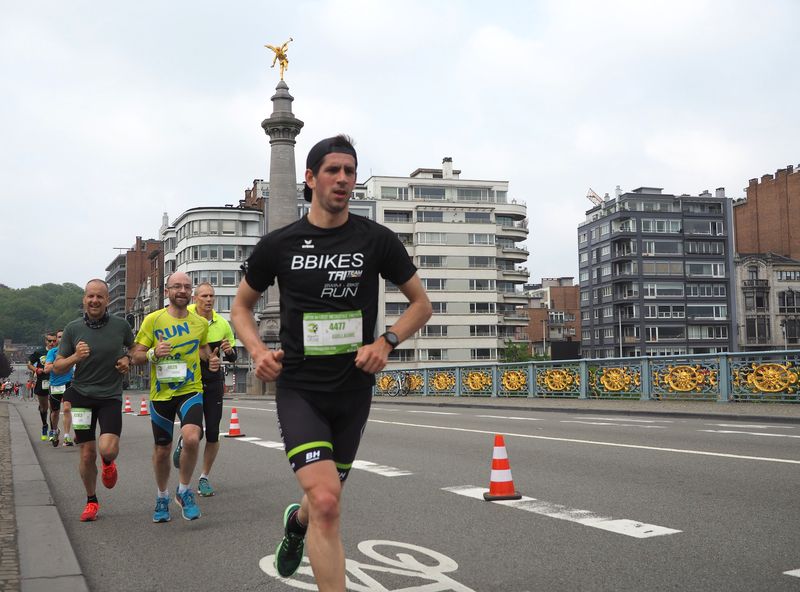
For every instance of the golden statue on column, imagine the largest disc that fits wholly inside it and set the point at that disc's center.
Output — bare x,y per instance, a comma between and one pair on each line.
280,56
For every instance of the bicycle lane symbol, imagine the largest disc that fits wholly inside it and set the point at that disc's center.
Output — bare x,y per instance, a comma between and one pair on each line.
400,564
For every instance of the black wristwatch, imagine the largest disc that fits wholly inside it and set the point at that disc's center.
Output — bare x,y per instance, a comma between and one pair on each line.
391,339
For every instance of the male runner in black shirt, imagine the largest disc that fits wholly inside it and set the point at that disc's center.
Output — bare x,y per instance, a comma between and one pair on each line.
327,265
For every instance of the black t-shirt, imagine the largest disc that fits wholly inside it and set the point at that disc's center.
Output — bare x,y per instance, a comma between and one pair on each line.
327,270
37,360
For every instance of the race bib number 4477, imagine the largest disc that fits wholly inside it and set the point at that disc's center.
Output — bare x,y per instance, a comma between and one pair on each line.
331,333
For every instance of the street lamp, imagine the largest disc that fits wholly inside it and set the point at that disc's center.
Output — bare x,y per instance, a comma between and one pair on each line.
544,334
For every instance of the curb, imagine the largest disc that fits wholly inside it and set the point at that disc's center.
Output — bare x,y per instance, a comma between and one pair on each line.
47,560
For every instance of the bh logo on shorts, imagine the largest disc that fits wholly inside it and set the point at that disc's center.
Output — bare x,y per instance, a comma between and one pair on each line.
312,456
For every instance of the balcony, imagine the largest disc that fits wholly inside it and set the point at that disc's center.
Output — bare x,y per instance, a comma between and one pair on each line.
755,283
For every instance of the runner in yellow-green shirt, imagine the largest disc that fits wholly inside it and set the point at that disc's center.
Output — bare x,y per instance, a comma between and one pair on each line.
220,335
174,341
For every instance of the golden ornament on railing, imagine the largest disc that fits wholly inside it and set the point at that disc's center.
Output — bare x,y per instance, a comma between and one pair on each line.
414,382
443,381
685,378
559,379
514,380
476,380
618,379
385,382
771,378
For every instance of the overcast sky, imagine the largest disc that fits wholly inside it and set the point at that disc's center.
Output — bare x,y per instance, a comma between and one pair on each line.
114,112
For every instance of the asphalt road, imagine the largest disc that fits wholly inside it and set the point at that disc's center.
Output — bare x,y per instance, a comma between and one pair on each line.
610,502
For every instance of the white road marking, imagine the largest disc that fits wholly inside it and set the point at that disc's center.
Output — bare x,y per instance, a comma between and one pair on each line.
753,426
607,423
628,419
594,442
365,465
511,417
401,559
749,433
435,412
362,465
631,528
247,408
794,572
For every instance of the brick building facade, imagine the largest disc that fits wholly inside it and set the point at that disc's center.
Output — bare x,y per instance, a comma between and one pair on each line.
768,219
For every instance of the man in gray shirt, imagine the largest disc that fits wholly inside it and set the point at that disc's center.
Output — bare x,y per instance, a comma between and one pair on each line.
97,346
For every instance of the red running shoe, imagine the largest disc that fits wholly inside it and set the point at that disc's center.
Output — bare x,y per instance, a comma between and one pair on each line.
109,474
90,512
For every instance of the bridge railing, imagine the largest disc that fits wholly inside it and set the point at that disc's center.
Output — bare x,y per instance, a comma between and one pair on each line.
757,377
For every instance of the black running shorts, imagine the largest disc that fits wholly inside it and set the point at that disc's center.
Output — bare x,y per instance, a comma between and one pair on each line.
88,412
188,407
321,425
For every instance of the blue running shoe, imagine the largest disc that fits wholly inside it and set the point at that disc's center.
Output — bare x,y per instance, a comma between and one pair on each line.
162,510
289,553
189,507
176,455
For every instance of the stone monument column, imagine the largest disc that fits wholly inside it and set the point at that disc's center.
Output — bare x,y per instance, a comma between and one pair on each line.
282,127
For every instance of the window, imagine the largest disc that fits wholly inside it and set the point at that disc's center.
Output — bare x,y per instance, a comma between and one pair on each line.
390,287
229,278
583,237
463,194
432,260
434,331
664,333
482,307
583,258
429,216
401,355
482,262
431,238
660,247
584,295
662,290
789,301
708,332
395,308
706,290
439,307
704,227
706,248
707,311
475,238
788,275
406,238
483,353
479,218
434,355
482,285
434,284
661,226
228,252
394,193
228,227
483,330
695,269
397,216
662,268
429,193
223,303
757,329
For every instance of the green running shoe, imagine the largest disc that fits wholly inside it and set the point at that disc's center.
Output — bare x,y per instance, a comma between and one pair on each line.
204,488
289,553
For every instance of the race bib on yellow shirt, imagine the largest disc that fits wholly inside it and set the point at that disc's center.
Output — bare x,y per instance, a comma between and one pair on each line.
171,371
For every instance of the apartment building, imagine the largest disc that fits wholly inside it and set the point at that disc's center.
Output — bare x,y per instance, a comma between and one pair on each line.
656,275
126,272
466,237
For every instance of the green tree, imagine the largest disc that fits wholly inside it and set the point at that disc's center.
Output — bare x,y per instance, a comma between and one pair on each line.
26,314
516,352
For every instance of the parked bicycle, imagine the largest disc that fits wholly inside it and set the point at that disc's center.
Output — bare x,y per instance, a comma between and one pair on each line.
399,384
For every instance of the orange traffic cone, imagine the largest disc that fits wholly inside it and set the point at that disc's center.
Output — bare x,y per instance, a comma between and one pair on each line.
234,431
501,485
128,408
143,409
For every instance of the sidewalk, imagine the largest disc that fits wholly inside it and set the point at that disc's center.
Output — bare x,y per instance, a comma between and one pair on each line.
35,552
30,526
